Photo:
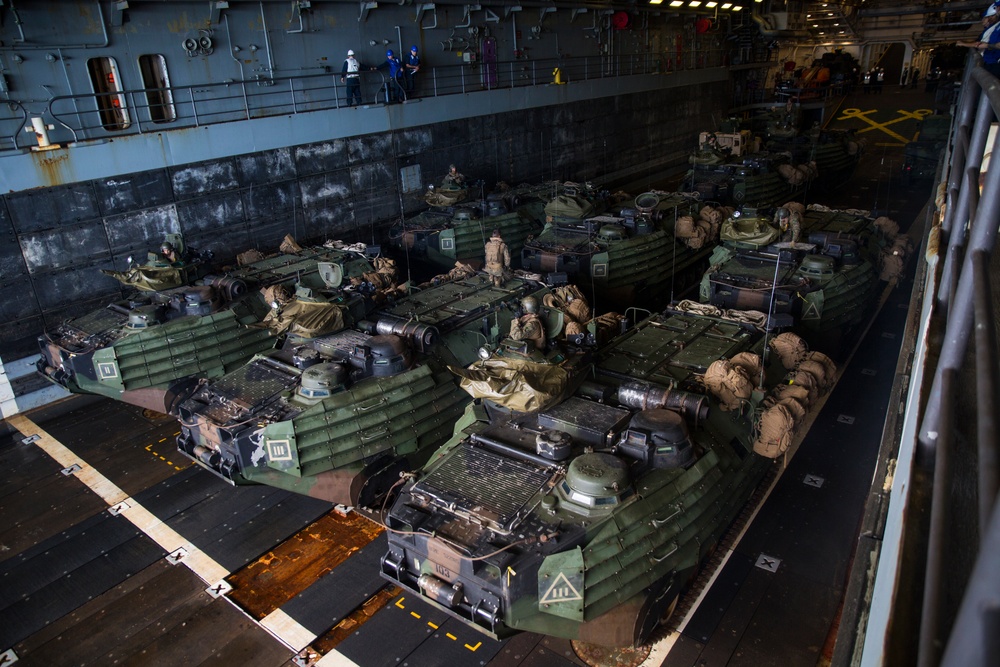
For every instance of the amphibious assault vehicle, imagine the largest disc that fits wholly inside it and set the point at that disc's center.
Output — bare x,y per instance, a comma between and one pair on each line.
335,416
144,349
585,517
458,232
618,257
828,281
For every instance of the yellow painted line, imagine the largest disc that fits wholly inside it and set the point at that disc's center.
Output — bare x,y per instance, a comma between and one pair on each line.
432,625
473,648
399,603
414,614
849,114
169,539
287,630
162,440
278,623
450,636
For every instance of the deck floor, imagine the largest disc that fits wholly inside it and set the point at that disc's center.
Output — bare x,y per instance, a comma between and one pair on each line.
137,557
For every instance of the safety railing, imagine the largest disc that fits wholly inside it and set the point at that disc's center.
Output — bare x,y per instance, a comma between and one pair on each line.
963,309
95,116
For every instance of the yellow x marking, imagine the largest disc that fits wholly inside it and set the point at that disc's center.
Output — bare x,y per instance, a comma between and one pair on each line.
884,127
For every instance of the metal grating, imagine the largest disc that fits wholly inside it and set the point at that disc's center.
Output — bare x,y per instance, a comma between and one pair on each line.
484,483
253,383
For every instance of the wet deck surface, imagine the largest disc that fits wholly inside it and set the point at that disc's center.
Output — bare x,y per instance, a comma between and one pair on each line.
91,570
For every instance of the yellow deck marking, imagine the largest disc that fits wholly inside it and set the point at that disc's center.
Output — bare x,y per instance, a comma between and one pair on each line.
279,624
884,127
399,603
450,636
432,625
473,648
162,440
414,614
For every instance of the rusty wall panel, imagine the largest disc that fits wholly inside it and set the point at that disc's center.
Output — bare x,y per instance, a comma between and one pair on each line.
320,157
134,191
142,230
65,246
45,208
265,167
268,200
217,213
204,178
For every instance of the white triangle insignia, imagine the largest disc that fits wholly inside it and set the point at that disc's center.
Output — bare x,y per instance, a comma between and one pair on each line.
561,591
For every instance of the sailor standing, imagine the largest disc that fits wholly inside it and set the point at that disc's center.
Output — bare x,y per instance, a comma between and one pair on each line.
351,74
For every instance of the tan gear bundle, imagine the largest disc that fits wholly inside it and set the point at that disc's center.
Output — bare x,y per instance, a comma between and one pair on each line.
791,349
795,207
749,362
289,246
776,427
249,257
728,383
888,227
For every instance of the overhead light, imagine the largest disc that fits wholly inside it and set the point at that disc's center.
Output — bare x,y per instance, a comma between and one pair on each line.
711,5
694,3
655,2
676,3
737,9
727,5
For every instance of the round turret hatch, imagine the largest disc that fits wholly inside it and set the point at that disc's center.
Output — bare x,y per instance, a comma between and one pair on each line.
597,475
666,424
817,265
612,233
322,378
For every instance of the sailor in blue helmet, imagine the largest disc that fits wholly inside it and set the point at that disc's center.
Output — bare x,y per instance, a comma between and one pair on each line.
411,65
394,89
989,40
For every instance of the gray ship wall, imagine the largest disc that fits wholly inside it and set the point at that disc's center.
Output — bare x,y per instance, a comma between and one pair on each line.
336,173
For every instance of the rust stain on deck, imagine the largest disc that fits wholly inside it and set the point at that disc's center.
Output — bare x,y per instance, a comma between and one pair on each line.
349,625
288,569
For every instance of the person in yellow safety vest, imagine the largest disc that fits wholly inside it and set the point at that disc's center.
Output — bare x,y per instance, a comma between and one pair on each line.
529,326
497,259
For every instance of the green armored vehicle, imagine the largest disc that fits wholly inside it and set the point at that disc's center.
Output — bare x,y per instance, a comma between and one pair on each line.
584,517
337,416
827,281
145,349
634,253
456,232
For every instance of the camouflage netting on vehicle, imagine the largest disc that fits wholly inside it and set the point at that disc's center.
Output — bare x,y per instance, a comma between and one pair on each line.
305,318
791,349
442,197
728,383
149,278
515,384
755,231
754,317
